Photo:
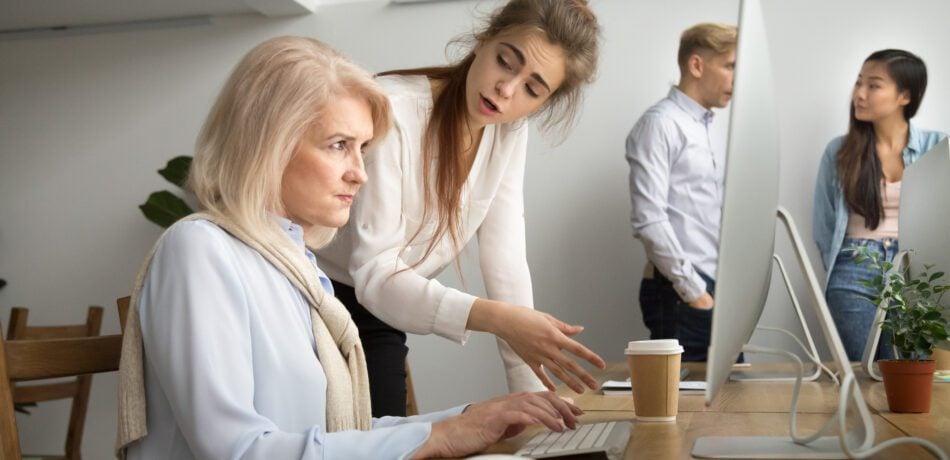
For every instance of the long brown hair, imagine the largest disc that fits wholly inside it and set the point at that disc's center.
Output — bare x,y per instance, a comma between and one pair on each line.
569,24
859,168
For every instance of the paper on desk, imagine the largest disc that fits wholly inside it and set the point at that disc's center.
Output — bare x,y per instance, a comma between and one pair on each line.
624,385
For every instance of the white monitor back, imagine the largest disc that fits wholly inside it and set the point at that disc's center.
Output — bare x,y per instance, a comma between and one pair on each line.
925,209
750,201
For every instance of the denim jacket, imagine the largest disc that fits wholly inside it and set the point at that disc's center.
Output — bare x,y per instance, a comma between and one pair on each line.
830,219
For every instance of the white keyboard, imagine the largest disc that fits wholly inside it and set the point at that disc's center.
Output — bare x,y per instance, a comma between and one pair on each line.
608,439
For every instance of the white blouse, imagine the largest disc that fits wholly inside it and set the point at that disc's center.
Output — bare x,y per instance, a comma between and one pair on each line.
231,369
370,253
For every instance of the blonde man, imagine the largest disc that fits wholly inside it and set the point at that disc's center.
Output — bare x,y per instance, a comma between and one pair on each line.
676,190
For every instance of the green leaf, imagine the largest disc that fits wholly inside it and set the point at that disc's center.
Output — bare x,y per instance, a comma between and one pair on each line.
935,276
932,315
164,208
176,171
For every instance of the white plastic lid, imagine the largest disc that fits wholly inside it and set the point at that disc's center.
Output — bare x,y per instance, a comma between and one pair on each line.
654,347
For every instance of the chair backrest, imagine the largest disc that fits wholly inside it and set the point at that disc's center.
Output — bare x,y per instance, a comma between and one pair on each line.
412,407
37,353
122,303
38,359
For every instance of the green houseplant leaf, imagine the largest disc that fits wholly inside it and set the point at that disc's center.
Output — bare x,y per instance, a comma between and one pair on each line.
176,171
164,208
915,312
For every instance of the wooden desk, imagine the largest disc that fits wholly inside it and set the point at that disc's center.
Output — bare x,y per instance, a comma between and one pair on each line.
754,409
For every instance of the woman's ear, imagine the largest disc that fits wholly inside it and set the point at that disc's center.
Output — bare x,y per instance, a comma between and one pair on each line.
903,98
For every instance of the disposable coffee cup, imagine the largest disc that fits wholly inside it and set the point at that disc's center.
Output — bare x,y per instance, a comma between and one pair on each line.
654,377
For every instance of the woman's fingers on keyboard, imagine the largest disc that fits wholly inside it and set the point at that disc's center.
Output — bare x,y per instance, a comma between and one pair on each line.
566,410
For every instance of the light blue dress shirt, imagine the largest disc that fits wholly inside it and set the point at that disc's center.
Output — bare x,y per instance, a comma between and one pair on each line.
676,190
231,370
830,218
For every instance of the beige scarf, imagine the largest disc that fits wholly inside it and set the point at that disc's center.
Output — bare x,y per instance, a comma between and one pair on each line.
337,339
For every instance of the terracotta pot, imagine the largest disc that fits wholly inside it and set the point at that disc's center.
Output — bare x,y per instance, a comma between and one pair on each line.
908,384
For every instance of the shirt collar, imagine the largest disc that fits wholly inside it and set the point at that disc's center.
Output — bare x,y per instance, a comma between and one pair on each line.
914,139
690,106
294,231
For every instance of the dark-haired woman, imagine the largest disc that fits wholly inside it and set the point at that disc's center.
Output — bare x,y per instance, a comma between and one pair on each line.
857,194
453,169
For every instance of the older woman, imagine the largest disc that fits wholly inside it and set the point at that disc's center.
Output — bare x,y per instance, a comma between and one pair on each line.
236,345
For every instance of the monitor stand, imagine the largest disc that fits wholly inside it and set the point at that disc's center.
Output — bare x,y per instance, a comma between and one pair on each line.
784,376
901,261
858,439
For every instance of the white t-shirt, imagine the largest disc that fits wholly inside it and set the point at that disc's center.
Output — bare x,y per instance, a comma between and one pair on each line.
388,210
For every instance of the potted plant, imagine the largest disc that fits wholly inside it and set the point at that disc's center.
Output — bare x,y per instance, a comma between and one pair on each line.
916,321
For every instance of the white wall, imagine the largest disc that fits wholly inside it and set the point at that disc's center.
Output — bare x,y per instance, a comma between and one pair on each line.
86,120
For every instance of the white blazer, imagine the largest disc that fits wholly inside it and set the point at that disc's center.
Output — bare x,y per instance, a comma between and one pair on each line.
371,249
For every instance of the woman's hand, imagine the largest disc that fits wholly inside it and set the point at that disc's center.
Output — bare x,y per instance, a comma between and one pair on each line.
483,424
539,339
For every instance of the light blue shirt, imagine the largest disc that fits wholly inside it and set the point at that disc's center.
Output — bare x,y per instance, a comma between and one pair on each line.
830,219
231,369
676,190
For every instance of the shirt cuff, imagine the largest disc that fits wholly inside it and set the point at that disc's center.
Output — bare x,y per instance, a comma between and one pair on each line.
691,288
452,316
430,417
394,442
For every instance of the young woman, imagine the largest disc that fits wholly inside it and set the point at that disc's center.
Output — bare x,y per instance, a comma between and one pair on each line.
236,347
859,184
453,169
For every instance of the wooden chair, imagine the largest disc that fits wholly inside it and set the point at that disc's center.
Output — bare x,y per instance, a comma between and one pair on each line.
76,389
122,303
38,359
412,408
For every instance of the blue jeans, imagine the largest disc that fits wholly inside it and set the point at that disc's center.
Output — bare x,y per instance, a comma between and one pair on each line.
852,312
669,317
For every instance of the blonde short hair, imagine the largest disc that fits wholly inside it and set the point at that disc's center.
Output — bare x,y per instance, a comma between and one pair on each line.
272,98
708,36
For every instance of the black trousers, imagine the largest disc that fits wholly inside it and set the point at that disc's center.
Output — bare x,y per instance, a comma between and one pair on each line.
669,317
386,351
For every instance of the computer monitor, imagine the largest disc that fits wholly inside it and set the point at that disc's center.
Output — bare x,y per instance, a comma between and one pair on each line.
750,199
746,246
924,219
925,209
